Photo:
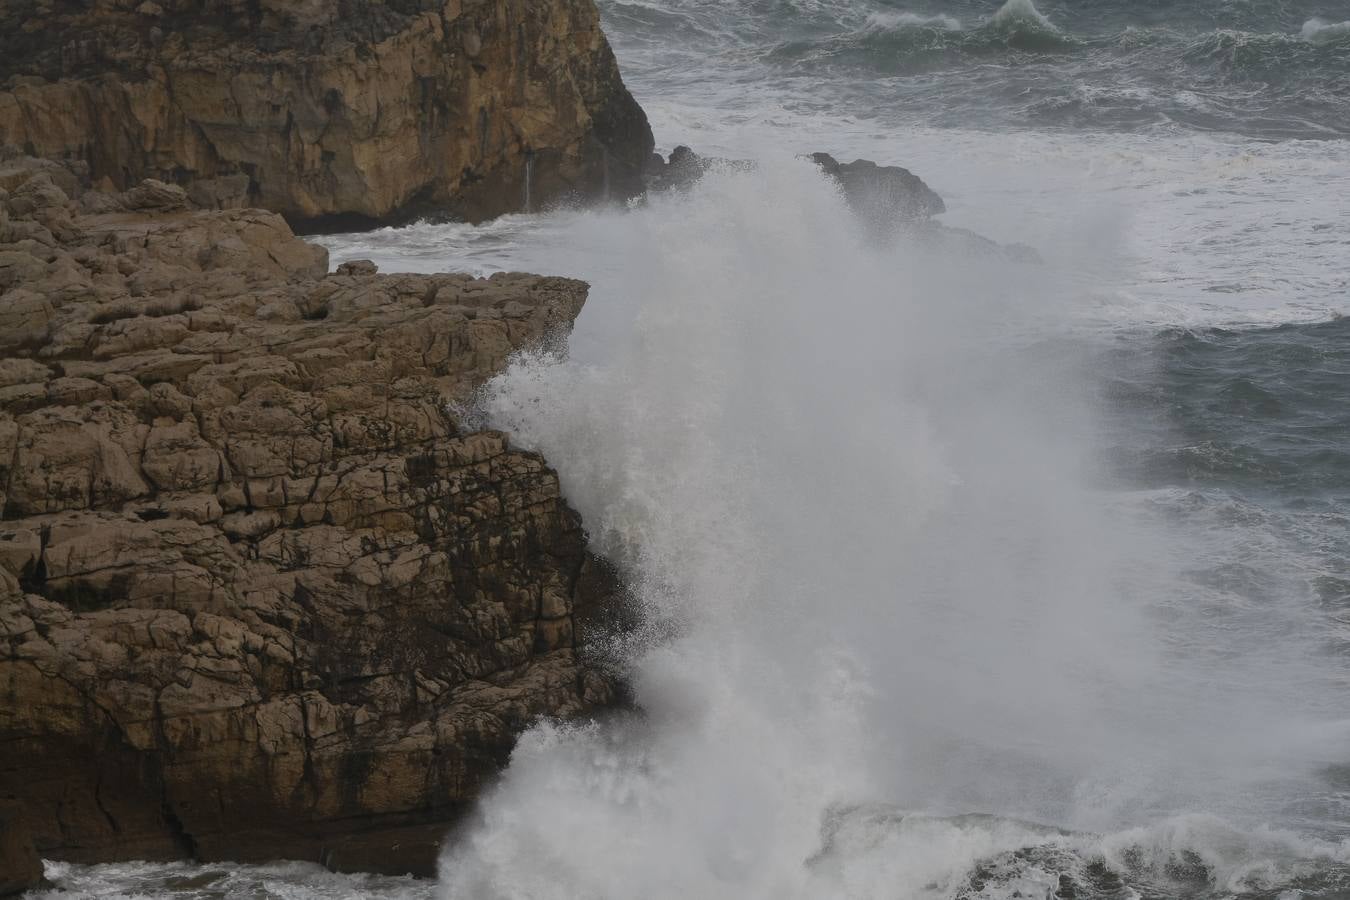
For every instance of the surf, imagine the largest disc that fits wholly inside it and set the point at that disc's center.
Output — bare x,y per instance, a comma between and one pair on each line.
852,497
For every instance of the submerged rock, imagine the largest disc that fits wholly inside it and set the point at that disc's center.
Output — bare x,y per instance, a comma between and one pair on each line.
964,242
364,109
262,595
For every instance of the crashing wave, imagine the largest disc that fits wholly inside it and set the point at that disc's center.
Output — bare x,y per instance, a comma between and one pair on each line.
903,41
903,21
984,857
1320,31
1024,27
1020,12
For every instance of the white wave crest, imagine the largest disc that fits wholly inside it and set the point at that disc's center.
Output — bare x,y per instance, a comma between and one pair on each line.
900,21
1232,858
1320,31
1019,12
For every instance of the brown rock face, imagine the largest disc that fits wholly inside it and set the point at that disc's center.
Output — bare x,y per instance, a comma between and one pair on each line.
260,594
363,109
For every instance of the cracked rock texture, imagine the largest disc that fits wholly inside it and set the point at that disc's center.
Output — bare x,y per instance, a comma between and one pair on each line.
261,595
327,108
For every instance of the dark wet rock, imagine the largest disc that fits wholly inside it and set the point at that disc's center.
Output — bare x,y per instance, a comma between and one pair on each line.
683,168
883,196
20,868
890,201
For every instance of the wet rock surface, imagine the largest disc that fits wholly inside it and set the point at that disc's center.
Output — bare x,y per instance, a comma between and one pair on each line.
261,594
882,195
331,112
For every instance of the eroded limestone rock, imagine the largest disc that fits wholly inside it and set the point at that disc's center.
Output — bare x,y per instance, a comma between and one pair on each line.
367,108
261,595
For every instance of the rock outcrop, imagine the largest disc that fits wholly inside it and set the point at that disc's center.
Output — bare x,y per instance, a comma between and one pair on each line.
882,195
890,202
327,110
261,594
888,199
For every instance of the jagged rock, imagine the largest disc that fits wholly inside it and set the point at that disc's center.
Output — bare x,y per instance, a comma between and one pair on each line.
890,201
369,108
151,194
20,868
684,168
883,196
358,267
261,594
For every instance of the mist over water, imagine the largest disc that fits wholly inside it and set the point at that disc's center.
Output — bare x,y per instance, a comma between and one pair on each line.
883,588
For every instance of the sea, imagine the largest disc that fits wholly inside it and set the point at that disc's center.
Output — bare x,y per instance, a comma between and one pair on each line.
955,576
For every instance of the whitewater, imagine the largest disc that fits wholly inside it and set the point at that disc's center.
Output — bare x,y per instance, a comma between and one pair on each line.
950,577
854,493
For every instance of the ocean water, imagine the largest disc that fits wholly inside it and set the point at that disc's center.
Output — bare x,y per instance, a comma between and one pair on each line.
958,578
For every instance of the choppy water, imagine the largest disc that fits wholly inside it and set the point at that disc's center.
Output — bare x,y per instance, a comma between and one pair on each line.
961,578
1272,69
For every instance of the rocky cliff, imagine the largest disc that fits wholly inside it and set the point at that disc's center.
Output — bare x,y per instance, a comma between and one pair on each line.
261,595
327,110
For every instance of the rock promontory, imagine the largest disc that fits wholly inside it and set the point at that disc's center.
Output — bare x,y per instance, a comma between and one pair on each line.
327,111
262,595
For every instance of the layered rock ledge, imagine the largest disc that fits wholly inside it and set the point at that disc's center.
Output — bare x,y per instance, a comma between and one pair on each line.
356,109
261,594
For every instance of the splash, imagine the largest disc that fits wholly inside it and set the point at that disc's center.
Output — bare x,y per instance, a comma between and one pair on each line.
901,21
848,489
1024,27
1020,25
1320,31
1022,12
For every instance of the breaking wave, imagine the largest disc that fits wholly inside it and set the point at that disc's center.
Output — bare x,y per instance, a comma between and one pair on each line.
883,22
1320,31
1024,27
907,39
893,644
